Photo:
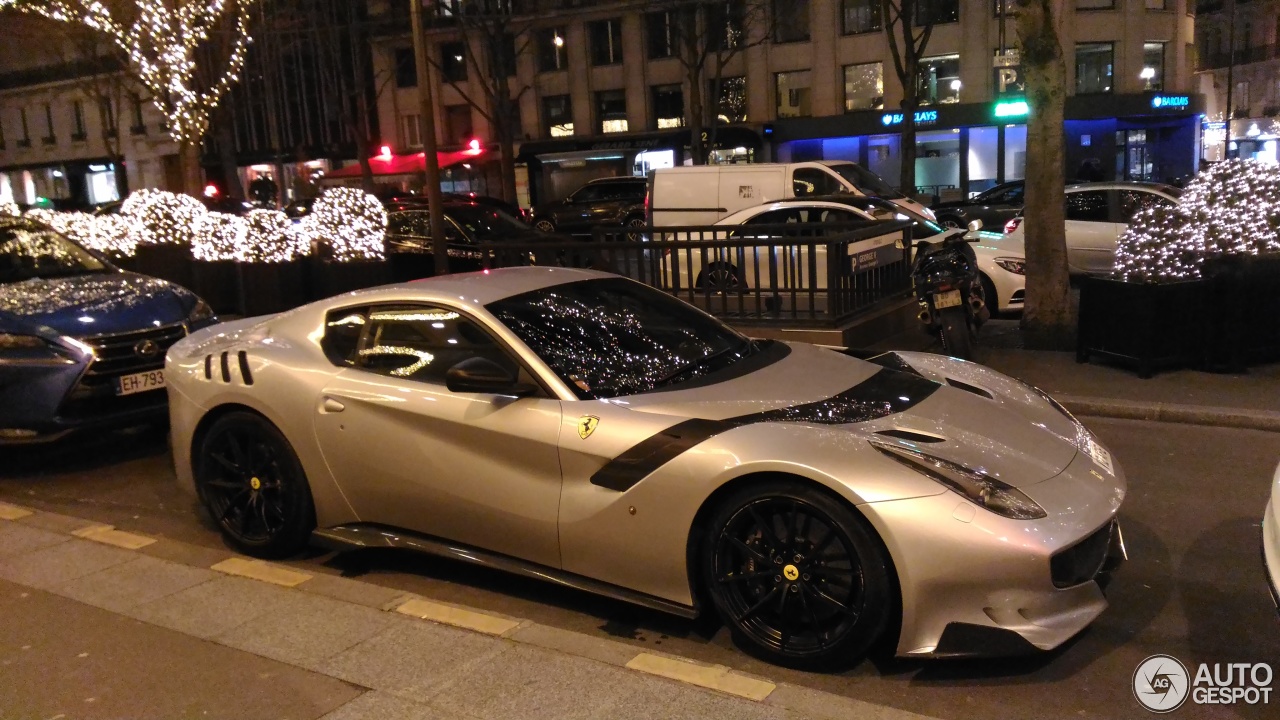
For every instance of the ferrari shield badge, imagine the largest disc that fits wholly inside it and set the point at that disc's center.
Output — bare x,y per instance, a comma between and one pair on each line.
587,425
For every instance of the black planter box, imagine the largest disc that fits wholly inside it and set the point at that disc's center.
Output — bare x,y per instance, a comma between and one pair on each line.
217,283
326,279
408,266
272,287
1148,325
1243,326
167,262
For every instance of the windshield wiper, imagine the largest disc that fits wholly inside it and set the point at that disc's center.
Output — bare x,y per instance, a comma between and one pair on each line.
748,345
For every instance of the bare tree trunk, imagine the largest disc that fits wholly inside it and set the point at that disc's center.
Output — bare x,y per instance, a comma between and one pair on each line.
192,173
1047,318
907,176
224,131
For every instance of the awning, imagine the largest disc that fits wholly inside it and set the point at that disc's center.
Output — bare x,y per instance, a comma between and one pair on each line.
416,164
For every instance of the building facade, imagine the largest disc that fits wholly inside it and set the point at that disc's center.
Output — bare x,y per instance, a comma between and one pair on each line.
1248,77
601,91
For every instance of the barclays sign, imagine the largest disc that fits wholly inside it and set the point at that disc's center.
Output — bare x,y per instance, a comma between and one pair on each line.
1171,102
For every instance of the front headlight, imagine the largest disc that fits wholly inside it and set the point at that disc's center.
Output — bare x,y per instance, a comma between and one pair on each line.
201,312
978,488
1017,266
16,349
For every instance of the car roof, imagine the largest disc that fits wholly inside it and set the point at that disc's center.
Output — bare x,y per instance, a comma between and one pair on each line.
619,179
476,289
747,213
1123,185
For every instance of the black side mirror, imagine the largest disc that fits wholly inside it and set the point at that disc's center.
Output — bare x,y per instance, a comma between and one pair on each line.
482,375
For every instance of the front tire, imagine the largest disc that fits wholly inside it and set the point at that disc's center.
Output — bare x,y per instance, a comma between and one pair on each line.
800,579
250,481
544,225
956,335
719,277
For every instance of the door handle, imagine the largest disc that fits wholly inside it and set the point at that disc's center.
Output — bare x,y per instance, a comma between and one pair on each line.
332,406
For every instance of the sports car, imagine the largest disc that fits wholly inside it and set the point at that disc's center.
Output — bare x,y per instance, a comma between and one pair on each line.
583,428
1271,540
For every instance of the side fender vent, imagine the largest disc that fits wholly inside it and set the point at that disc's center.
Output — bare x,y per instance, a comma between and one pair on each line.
911,435
226,368
245,373
970,388
208,367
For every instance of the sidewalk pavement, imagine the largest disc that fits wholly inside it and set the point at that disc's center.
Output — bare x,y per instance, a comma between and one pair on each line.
1101,389
102,623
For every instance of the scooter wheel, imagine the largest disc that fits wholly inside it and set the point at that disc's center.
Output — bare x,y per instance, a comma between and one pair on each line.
957,339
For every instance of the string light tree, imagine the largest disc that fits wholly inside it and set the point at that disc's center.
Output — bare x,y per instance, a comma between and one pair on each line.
268,263
186,54
10,210
165,225
346,228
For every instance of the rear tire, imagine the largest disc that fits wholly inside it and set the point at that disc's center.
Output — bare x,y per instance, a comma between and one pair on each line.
253,485
719,277
544,225
989,295
955,333
799,578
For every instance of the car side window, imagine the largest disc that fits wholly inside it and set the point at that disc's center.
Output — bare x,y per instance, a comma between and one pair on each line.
623,191
415,342
812,181
1131,201
1088,205
1012,196
586,194
774,217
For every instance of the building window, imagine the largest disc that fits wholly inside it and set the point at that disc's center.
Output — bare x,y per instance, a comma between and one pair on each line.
939,79
1152,74
107,112
551,52
1161,4
1,132
49,138
411,131
557,115
668,106
937,12
864,86
861,16
453,61
793,94
1093,67
406,68
1241,100
725,21
457,124
1010,8
139,126
26,133
77,116
730,103
1095,4
606,41
611,111
790,21
505,50
661,35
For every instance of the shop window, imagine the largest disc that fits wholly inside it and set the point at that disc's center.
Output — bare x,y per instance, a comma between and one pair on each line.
557,116
939,80
611,111
406,68
864,86
453,61
606,41
937,12
793,94
1088,206
551,52
668,106
457,124
730,101
790,21
411,131
1093,67
861,16
661,35
1152,74
1015,152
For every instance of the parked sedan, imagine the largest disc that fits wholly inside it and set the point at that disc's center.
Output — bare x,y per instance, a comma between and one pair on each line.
82,343
994,208
587,430
1097,215
608,202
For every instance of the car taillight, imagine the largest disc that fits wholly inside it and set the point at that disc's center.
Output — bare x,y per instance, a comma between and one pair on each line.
1012,225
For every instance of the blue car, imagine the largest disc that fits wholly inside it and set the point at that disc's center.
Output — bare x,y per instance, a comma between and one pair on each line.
82,343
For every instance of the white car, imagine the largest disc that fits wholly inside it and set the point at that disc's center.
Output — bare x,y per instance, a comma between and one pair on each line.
1271,540
1097,215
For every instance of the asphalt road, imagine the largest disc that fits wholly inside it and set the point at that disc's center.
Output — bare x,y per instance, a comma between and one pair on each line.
1193,588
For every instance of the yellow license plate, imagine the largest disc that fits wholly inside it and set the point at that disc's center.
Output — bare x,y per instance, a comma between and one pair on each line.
950,298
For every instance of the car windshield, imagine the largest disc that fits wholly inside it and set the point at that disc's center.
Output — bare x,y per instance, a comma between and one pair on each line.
612,337
482,222
867,182
34,251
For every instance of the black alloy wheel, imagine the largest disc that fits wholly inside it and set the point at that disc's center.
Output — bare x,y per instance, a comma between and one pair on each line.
719,277
798,577
544,225
253,486
949,223
989,295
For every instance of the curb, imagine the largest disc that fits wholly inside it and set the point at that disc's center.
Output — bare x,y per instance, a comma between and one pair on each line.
1209,415
802,701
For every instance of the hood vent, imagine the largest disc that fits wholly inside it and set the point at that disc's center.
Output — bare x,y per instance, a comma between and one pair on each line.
970,388
911,435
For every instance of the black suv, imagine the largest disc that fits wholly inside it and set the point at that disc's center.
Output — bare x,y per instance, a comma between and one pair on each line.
993,207
599,203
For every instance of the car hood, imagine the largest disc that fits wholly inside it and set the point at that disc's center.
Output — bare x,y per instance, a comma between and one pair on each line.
949,408
93,304
1003,246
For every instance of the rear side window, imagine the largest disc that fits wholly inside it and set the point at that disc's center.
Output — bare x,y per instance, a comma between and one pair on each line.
1089,206
623,191
1131,201
342,330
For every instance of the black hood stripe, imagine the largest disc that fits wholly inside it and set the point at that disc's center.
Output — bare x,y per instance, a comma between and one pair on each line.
886,393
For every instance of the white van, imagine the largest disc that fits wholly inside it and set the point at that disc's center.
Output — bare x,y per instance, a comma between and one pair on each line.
703,195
